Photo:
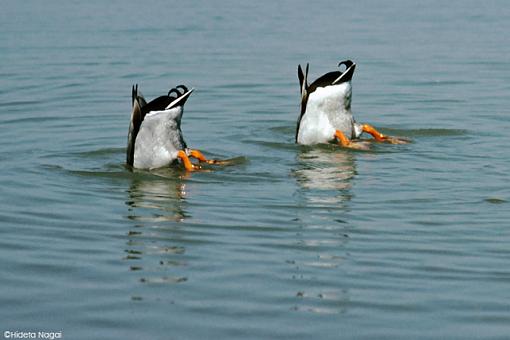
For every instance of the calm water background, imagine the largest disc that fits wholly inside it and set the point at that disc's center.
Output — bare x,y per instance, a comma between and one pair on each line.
290,242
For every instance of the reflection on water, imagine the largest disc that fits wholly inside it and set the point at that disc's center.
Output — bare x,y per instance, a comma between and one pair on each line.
325,168
156,205
324,176
156,199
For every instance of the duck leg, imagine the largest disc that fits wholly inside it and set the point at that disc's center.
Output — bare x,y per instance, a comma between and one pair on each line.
201,158
381,137
346,143
186,162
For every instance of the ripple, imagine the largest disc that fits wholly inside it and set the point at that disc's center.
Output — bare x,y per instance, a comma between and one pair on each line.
163,280
289,241
496,200
426,132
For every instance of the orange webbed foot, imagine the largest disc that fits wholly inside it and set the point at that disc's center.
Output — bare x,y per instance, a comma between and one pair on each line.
396,140
346,143
201,158
186,161
383,138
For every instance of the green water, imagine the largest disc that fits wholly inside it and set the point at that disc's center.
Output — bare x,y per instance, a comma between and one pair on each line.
291,242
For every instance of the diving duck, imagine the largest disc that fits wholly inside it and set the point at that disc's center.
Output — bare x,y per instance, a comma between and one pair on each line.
155,138
326,114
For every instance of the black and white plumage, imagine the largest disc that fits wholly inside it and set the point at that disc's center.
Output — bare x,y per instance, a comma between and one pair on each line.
155,137
326,106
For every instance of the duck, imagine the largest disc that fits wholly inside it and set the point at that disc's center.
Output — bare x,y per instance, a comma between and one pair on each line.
326,114
155,138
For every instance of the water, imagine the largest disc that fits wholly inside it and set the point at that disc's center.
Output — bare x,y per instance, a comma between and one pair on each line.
290,242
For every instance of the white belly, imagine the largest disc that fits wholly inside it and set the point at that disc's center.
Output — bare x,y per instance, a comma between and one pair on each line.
325,113
158,142
315,128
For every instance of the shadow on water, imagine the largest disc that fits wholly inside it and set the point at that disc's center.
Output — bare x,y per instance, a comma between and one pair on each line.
158,237
155,246
324,175
156,206
153,224
156,198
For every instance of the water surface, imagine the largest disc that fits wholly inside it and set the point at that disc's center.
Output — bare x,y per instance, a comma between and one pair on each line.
403,241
